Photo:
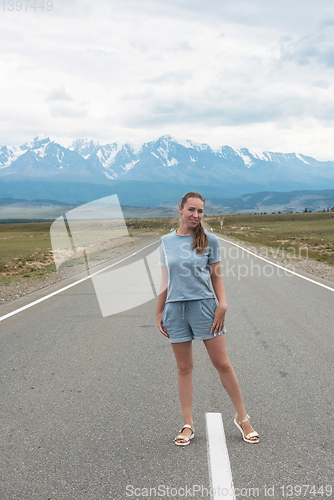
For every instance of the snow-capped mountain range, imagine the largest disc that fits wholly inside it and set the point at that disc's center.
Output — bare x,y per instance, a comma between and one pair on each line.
228,171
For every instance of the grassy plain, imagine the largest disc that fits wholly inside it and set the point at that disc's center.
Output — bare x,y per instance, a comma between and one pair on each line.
302,234
26,253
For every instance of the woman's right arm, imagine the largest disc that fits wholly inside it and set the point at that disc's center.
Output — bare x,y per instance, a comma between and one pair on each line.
162,299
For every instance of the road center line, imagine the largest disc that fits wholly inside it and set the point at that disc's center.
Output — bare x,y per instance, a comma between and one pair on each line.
277,265
71,285
218,459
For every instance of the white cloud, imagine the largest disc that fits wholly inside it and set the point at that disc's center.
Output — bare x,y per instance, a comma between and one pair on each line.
58,94
250,74
308,49
67,111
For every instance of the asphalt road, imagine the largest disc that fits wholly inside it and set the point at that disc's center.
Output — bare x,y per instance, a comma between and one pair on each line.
89,404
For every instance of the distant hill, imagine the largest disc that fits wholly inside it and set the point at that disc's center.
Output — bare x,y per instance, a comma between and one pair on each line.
267,201
272,201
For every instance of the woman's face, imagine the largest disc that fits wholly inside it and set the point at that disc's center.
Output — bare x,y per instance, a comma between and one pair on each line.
192,212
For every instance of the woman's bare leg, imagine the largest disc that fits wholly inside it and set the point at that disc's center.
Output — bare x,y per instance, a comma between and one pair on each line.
184,361
216,348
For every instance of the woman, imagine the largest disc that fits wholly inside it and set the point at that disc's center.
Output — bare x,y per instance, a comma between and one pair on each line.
187,310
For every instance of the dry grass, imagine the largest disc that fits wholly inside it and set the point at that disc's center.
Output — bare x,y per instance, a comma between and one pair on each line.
304,234
26,253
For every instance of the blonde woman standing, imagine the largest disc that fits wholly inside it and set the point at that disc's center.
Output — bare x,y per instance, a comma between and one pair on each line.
187,310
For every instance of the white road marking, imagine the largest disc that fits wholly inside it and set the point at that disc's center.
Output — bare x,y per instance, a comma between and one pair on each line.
218,459
277,265
71,285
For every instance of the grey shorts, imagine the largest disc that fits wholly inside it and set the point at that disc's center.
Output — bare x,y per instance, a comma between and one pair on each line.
190,320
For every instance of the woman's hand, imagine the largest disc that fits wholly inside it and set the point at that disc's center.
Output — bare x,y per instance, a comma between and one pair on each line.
160,325
219,321
218,286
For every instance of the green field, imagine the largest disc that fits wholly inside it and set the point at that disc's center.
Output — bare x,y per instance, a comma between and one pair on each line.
25,248
305,234
26,252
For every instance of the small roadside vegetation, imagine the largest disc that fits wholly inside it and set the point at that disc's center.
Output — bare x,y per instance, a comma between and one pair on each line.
307,234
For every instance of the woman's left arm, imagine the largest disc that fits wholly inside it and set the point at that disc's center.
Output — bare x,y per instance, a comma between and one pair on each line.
218,286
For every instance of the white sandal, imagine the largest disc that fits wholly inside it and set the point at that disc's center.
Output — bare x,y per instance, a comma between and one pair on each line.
185,438
239,423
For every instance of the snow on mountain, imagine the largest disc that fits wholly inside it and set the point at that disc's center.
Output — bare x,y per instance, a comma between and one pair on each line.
32,144
106,155
43,158
8,154
196,146
172,163
85,147
261,155
186,143
166,151
300,157
246,157
130,165
164,160
39,148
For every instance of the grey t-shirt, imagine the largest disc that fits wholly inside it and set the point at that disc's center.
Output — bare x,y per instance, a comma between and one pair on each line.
188,271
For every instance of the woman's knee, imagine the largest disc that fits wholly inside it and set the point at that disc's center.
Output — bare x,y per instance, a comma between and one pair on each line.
222,365
184,368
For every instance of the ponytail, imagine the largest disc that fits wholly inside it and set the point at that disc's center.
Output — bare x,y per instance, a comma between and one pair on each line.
200,240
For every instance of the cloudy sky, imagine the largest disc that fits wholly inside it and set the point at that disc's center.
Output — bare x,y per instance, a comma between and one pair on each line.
244,73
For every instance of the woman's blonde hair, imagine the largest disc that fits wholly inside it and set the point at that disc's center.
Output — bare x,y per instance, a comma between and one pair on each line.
200,238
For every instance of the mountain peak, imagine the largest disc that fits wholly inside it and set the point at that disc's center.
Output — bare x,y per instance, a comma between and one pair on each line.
167,138
84,146
37,142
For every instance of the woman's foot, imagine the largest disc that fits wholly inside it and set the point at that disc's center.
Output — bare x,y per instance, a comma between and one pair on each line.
187,433
247,429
